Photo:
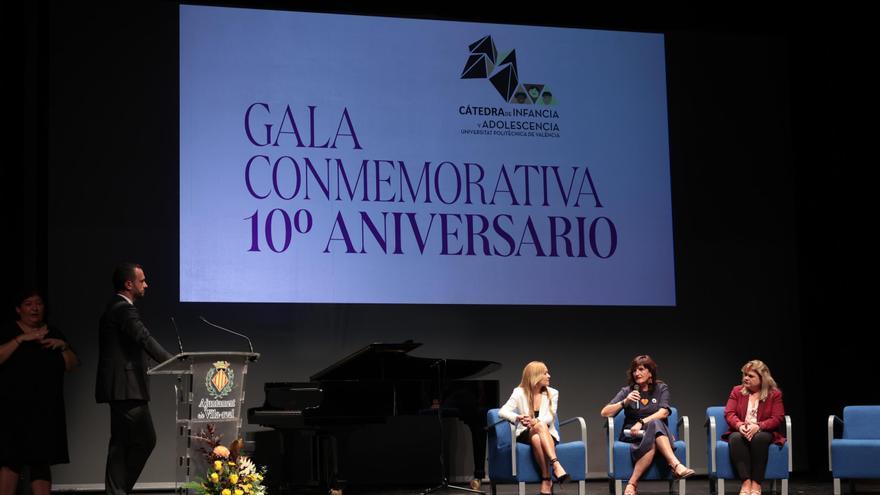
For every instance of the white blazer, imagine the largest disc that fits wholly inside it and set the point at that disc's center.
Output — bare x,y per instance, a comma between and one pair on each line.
518,405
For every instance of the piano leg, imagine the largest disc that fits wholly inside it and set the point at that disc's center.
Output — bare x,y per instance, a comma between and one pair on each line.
328,463
478,441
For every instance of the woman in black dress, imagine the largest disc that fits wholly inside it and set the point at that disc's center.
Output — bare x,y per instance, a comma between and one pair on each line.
33,433
645,401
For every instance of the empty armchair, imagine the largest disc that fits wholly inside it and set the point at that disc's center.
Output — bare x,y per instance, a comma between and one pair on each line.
855,454
511,462
718,453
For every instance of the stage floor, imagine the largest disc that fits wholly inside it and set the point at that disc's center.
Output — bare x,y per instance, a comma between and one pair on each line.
697,486
800,485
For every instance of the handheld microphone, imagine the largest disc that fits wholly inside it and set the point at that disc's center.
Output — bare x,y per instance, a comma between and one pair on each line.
229,331
637,403
629,434
177,332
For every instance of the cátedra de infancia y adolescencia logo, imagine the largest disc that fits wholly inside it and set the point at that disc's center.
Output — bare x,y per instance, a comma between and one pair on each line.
537,116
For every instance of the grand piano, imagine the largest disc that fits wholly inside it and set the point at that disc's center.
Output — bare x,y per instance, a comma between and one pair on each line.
372,418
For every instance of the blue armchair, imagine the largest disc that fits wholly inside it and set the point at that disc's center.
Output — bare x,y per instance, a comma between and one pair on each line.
516,465
718,453
855,455
620,464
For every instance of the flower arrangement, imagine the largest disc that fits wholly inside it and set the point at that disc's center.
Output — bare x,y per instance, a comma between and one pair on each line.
229,472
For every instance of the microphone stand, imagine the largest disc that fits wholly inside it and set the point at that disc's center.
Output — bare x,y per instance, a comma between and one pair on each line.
440,364
177,332
233,332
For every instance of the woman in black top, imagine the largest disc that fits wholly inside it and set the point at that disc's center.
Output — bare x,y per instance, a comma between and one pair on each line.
645,402
33,359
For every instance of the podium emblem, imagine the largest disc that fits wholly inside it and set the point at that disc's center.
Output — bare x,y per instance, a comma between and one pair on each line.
220,380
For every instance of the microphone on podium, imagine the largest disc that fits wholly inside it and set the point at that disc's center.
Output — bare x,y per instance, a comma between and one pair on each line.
177,332
233,332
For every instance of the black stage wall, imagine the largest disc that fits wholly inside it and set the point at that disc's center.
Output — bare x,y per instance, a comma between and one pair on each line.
768,235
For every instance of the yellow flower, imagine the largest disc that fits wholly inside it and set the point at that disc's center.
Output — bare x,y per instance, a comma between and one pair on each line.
218,465
221,451
215,477
226,491
238,492
233,478
247,488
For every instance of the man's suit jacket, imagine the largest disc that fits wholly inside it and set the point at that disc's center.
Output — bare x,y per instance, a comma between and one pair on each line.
123,346
771,413
518,404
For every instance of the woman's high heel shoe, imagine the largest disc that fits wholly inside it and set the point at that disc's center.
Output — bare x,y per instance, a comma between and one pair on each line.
565,477
684,472
551,487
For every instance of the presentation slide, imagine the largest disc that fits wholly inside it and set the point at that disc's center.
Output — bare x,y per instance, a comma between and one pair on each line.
350,159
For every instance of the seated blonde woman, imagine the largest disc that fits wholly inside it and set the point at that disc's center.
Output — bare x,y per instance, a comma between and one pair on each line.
532,408
754,414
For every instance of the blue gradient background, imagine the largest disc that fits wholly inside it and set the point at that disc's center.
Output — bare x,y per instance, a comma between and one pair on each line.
400,82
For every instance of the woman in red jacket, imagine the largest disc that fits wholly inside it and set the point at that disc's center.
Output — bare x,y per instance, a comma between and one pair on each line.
754,414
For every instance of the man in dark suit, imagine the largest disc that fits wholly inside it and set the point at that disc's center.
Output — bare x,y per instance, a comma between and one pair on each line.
123,347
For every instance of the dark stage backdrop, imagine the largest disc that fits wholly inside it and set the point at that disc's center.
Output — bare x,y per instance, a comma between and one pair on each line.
112,195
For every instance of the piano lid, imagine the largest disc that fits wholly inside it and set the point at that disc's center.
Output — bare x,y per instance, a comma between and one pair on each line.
382,361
